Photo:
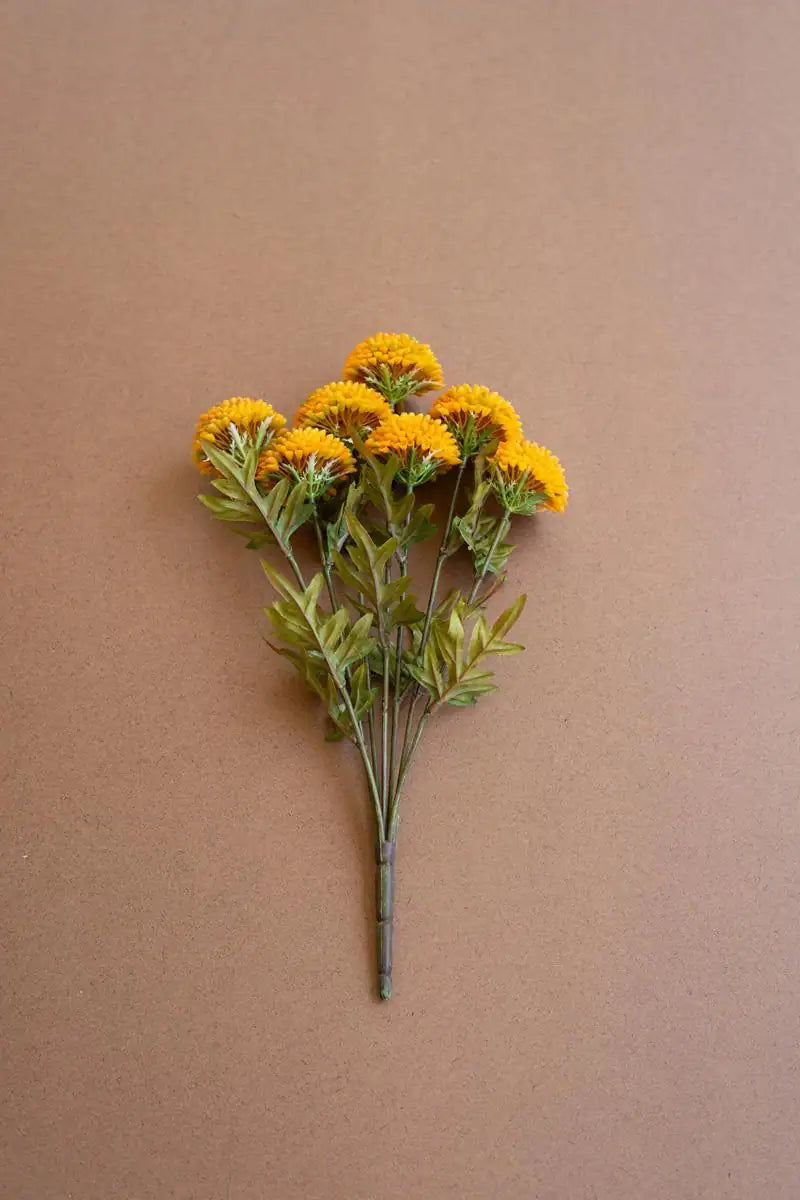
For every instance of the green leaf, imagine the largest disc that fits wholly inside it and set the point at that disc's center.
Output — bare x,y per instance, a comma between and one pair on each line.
362,695
357,645
256,540
311,596
229,488
420,527
332,629
478,684
509,617
224,462
295,511
250,467
281,584
448,673
230,510
479,639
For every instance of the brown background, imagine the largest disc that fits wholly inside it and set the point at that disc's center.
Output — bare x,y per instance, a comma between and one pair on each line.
593,208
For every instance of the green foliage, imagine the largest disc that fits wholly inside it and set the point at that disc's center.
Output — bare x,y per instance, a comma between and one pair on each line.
420,527
229,508
335,522
364,569
328,649
482,533
395,388
452,669
376,633
284,508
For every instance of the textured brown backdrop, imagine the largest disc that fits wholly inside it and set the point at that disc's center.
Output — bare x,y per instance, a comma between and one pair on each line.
592,207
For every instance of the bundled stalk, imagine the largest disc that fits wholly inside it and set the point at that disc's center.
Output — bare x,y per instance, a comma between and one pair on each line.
353,469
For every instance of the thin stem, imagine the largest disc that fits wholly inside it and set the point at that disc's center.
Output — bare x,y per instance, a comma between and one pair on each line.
292,561
405,767
373,748
324,559
441,556
502,529
402,559
258,500
385,732
365,758
440,560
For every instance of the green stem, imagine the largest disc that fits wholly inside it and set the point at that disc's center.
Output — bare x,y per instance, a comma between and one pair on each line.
385,916
375,796
437,571
324,559
405,767
358,731
292,561
503,527
441,556
402,563
258,500
385,732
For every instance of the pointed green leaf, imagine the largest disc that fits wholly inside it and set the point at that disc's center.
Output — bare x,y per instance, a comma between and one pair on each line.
357,644
224,463
506,619
332,629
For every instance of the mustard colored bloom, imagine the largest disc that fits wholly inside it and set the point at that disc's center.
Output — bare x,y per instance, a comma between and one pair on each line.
477,417
252,420
396,364
319,458
425,447
527,477
345,409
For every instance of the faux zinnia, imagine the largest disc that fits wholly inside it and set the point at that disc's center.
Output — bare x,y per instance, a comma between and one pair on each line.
347,409
527,477
381,662
477,417
423,446
396,365
251,420
310,455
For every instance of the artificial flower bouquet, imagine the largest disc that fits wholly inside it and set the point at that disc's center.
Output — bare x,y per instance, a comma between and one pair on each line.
353,470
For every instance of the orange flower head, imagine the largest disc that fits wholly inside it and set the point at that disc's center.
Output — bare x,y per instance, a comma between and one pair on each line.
232,426
318,458
396,365
527,477
424,446
346,409
478,418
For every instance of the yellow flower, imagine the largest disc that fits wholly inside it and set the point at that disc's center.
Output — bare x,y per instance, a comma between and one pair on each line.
343,409
247,417
477,417
527,477
396,364
308,454
424,446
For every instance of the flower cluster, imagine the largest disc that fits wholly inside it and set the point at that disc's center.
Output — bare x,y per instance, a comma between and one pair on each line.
363,413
